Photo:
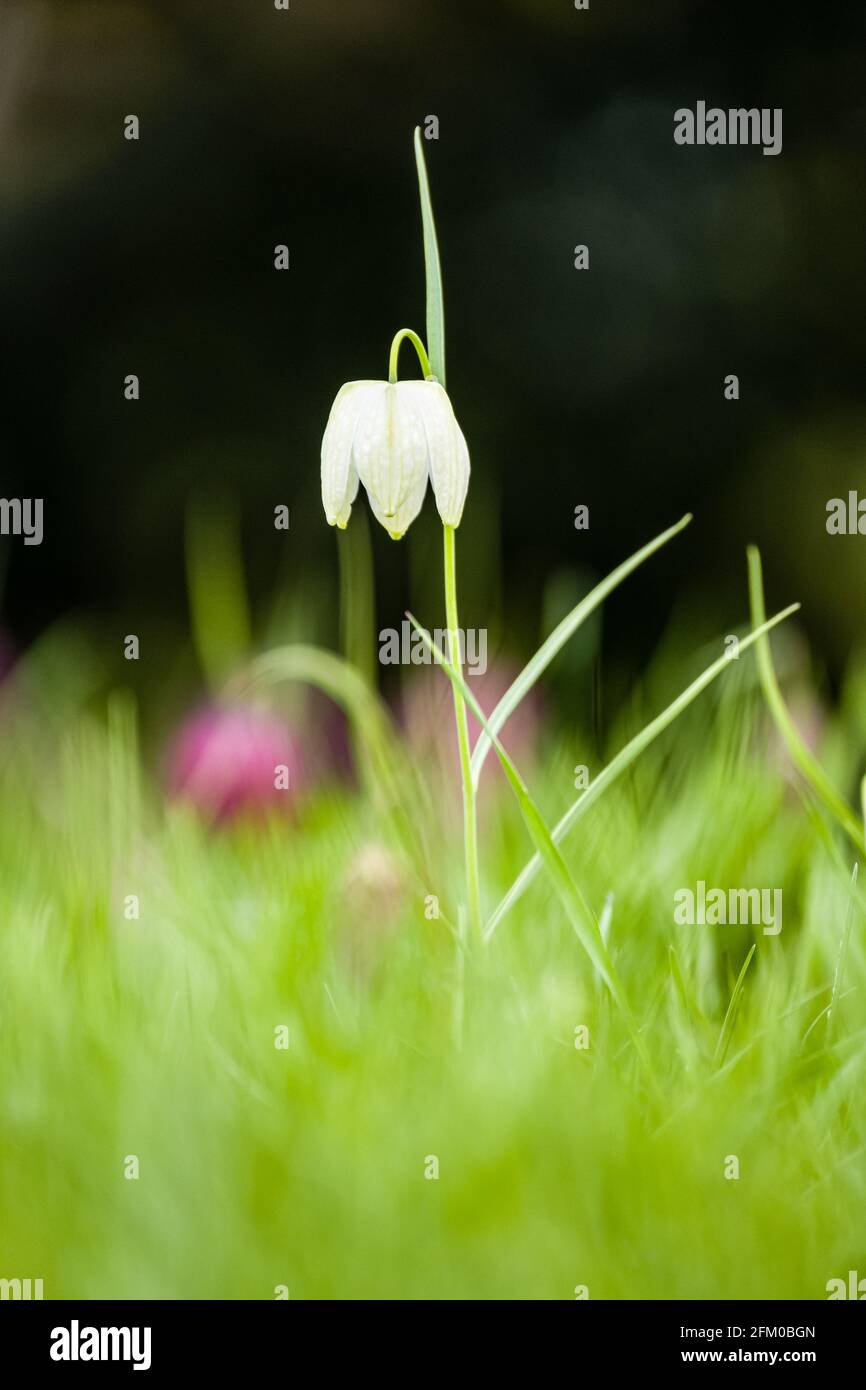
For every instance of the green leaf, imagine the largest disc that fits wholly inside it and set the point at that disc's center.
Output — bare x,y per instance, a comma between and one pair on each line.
622,761
433,270
804,761
558,638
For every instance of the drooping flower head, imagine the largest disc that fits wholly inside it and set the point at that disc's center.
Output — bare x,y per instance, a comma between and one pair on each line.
392,436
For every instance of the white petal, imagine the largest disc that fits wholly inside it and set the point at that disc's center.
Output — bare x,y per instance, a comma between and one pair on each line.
448,455
390,454
398,521
339,476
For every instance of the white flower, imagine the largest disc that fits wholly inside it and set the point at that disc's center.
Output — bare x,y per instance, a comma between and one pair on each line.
392,437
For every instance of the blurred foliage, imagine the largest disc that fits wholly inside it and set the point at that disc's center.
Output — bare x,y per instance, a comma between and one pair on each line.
304,1165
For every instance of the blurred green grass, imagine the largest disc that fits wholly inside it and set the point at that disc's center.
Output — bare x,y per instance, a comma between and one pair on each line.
305,1167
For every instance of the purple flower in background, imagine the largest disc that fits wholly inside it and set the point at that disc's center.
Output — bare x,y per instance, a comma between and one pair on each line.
230,760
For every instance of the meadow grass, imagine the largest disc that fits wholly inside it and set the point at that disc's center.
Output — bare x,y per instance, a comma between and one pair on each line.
305,1166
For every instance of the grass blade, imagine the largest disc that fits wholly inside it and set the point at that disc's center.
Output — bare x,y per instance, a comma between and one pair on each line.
432,268
731,1015
339,680
558,638
622,761
804,761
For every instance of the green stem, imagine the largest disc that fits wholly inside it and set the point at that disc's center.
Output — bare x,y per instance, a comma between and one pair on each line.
357,597
419,348
470,827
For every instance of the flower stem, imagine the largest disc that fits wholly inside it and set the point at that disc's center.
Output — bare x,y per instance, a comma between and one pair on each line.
470,827
419,349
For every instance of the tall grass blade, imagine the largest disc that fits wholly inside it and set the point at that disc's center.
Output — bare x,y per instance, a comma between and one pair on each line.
535,668
433,269
804,761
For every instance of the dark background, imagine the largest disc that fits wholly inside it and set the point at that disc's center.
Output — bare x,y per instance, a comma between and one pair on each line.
602,387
